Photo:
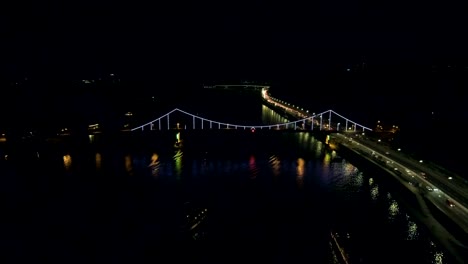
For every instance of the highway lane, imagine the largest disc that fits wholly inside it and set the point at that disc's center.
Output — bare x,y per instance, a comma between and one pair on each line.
422,165
409,174
295,112
449,183
459,213
437,181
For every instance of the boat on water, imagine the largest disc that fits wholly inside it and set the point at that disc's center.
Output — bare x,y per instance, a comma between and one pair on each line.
195,217
178,143
344,247
337,248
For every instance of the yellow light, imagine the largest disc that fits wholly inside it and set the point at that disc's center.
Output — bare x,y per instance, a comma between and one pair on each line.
67,161
98,160
128,163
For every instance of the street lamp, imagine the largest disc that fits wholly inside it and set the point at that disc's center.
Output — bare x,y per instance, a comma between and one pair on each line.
338,127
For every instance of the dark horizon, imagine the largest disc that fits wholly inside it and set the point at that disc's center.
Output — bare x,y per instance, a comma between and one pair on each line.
241,40
372,59
360,92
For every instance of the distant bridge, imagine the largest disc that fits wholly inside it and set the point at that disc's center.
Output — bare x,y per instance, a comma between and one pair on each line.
178,119
245,87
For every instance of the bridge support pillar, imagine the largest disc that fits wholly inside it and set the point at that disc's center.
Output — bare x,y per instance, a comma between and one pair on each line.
320,122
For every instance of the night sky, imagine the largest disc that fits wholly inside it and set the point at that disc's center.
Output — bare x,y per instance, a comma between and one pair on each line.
264,38
372,51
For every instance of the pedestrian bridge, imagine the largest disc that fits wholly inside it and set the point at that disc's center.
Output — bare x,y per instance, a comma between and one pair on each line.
178,119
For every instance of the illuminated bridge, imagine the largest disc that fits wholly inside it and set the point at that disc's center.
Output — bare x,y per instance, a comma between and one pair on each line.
244,87
178,119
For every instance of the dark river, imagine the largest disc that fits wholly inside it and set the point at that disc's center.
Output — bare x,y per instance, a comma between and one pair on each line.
262,197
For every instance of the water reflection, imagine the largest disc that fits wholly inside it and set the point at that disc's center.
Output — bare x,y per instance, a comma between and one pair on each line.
67,161
270,117
300,172
309,142
389,196
98,161
154,159
349,169
326,160
412,231
344,183
437,256
128,164
178,163
318,149
302,139
393,210
358,179
155,164
374,192
253,170
275,165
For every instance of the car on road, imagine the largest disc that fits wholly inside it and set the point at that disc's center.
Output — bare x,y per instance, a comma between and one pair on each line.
450,203
423,174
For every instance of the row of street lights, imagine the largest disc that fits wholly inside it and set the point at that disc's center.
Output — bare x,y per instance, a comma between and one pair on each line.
288,104
266,96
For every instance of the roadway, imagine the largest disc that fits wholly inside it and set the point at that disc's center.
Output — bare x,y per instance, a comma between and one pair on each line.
292,111
444,184
299,114
446,191
435,188
446,181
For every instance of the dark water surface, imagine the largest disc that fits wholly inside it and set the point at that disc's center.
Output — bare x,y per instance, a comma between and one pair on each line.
269,197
